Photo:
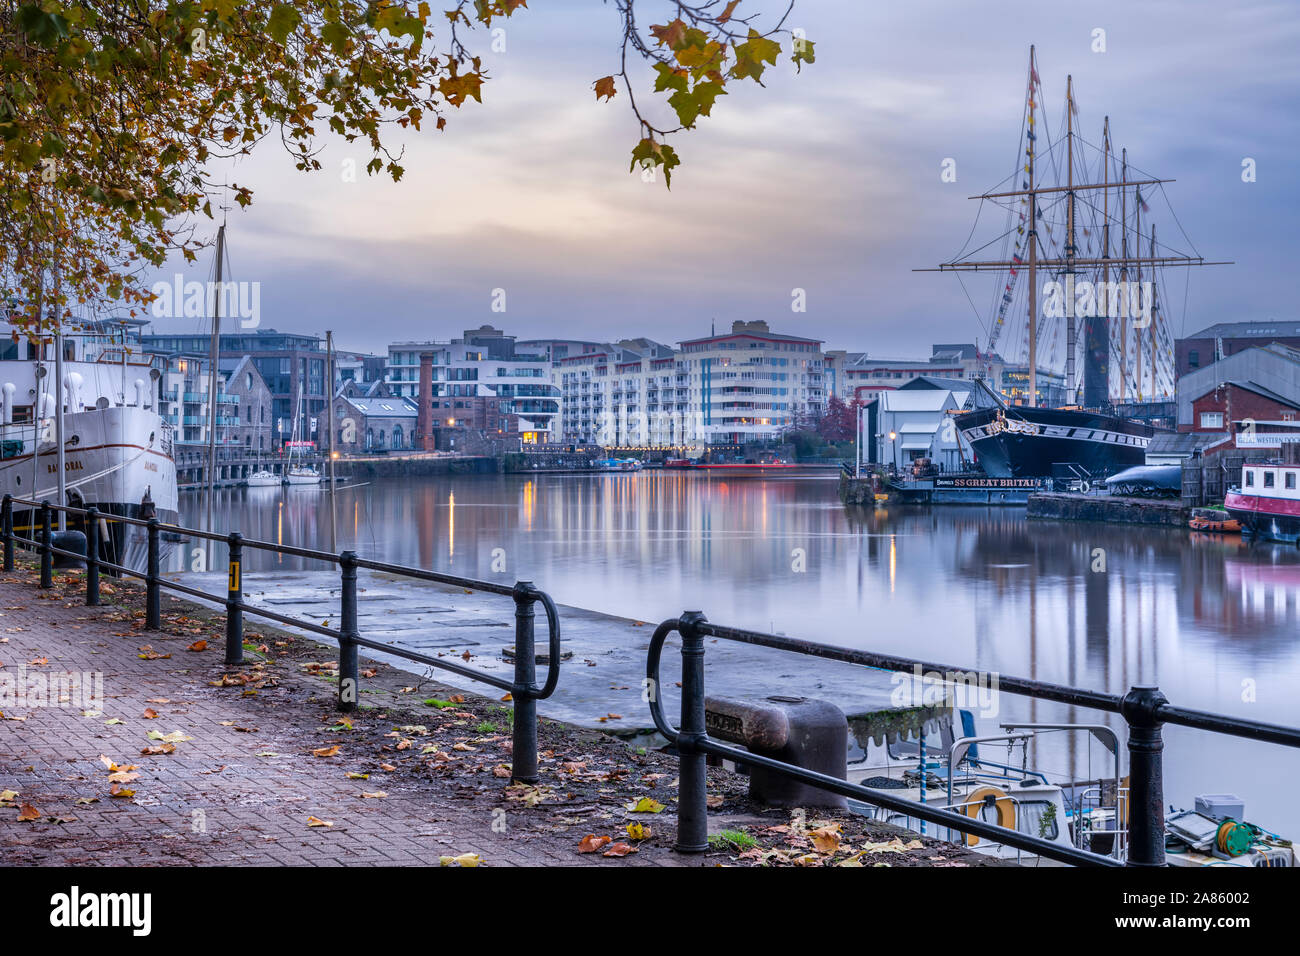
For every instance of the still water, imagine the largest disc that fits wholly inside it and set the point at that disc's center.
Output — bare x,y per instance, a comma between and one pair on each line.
1212,621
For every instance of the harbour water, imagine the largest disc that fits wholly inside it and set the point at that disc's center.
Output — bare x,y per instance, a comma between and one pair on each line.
1212,621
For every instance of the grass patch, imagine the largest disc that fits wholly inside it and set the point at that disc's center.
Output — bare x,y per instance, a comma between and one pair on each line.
735,839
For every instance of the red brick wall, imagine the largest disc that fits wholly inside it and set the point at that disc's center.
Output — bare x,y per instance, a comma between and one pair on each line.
1237,403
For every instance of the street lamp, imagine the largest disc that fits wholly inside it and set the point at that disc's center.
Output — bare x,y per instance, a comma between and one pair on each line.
894,447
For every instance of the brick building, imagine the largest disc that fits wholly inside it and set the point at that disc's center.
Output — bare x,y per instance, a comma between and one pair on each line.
1226,339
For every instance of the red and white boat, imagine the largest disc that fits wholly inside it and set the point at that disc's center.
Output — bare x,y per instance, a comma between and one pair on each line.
1267,503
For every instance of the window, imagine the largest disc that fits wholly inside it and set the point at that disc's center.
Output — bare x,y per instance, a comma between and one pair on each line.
1194,359
1290,480
1211,419
1250,478
1269,479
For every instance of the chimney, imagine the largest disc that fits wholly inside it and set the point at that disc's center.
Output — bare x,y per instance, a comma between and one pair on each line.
424,401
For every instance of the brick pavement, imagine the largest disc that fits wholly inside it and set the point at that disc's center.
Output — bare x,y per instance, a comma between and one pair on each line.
219,799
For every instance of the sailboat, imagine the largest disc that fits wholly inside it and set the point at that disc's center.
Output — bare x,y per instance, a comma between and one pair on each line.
301,474
1085,432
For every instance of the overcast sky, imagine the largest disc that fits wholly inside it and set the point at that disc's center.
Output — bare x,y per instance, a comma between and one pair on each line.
828,181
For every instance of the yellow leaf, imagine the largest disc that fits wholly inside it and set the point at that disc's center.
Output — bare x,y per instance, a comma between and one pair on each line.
646,805
465,859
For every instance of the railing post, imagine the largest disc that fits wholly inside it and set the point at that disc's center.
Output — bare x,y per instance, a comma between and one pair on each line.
152,581
348,678
7,518
1146,796
47,556
235,600
92,557
692,794
523,760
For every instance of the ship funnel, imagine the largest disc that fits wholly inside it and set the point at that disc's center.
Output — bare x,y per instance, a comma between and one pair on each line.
7,402
45,406
139,392
72,391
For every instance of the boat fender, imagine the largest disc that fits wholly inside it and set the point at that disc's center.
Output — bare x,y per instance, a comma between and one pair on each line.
975,803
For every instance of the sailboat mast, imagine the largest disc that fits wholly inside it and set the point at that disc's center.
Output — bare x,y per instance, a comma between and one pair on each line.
214,355
1070,329
1033,245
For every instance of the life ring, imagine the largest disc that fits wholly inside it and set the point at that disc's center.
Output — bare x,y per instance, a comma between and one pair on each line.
975,803
1085,486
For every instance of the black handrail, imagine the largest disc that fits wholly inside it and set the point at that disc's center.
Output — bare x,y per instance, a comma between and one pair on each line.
523,688
1143,708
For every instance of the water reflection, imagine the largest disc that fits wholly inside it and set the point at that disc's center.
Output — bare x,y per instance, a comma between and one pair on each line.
1211,620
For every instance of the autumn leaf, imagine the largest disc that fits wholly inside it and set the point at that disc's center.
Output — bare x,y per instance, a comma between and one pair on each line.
318,822
605,87
638,831
198,646
826,839
326,751
465,859
591,843
619,849
645,805
149,713
27,812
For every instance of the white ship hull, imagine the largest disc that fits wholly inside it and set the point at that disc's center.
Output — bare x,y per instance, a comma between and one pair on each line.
115,459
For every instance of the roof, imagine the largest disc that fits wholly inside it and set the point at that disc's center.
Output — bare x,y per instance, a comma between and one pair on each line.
917,400
1183,443
1252,387
384,407
1249,330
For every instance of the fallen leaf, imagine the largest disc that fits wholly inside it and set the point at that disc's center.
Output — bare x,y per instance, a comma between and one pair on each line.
465,859
619,849
149,713
645,805
591,843
27,812
318,822
327,751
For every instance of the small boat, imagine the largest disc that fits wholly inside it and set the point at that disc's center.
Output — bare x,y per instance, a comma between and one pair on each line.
1213,520
302,475
1267,503
678,463
619,464
959,773
263,479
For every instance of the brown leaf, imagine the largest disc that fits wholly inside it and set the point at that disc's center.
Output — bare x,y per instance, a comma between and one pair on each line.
619,849
326,751
591,843
149,713
27,812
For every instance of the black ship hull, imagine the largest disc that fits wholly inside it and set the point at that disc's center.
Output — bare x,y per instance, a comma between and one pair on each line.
1022,442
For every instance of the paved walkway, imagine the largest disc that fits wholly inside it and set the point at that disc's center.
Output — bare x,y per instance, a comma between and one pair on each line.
182,760
243,785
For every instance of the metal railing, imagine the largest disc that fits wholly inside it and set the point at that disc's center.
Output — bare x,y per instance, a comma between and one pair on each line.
1143,708
523,689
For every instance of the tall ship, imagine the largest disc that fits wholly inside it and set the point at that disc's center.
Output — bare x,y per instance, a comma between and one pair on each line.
1076,225
82,402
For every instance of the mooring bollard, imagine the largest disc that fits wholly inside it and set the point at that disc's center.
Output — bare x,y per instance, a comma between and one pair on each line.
234,601
7,519
47,555
348,676
692,794
1146,795
92,557
152,581
523,759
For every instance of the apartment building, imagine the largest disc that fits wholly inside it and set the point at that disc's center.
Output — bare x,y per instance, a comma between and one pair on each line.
621,395
479,381
751,383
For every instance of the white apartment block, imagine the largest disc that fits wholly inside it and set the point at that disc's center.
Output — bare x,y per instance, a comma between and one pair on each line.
745,385
480,368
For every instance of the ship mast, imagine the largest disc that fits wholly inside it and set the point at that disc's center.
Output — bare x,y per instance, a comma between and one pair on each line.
1033,244
1104,301
1071,261
1070,330
1123,274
